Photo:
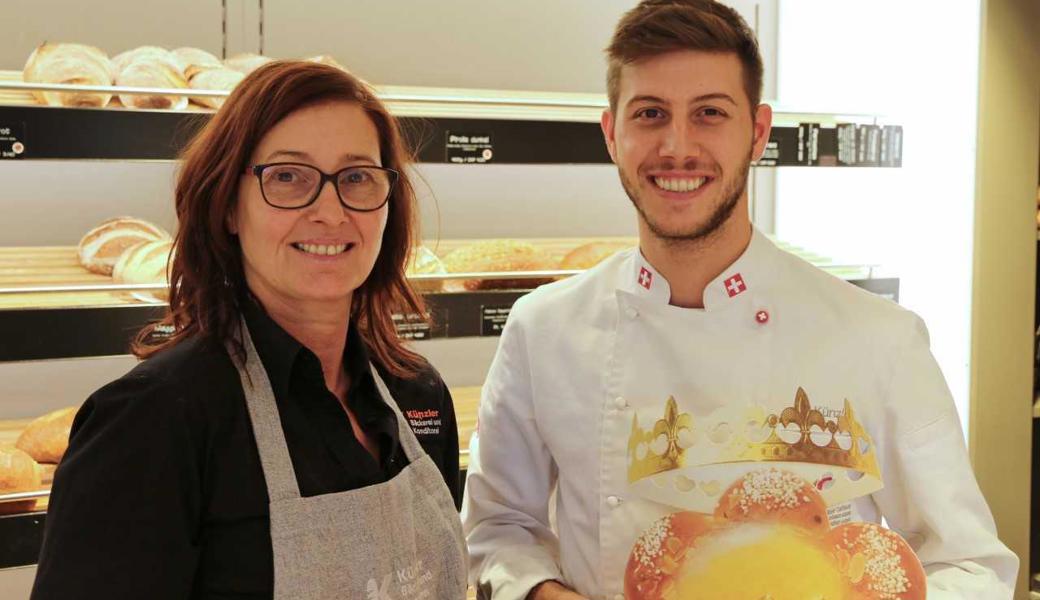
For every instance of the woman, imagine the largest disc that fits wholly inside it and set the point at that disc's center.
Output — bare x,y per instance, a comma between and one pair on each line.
256,453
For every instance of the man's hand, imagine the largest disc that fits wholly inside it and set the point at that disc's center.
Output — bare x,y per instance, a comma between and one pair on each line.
553,590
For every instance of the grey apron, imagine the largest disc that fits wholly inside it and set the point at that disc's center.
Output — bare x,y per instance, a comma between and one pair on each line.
398,540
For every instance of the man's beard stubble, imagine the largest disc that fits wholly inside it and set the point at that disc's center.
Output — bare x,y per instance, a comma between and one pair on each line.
703,232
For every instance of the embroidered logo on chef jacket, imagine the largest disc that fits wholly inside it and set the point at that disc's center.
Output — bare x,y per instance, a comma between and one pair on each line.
646,278
735,285
424,422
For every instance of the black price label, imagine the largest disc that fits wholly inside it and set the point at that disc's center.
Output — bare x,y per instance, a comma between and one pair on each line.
413,327
493,318
468,148
12,140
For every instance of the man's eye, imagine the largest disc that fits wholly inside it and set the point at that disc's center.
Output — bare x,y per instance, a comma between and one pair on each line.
712,112
650,113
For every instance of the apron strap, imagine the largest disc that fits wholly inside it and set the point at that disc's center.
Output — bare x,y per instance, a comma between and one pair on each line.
412,449
267,424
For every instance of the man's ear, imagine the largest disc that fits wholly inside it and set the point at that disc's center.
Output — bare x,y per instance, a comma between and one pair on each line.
762,126
606,123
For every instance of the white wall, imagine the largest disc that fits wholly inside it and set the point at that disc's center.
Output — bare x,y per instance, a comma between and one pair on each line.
918,63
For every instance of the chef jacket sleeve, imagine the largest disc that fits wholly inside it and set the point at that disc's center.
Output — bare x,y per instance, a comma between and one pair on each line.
505,510
125,504
931,496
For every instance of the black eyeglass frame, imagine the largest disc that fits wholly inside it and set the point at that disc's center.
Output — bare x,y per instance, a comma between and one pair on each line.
258,170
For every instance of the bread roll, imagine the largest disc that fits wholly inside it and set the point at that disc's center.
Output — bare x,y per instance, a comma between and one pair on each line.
194,57
101,247
878,563
46,438
73,64
658,553
769,524
591,254
221,79
144,263
18,473
774,495
246,63
123,59
151,67
425,262
495,256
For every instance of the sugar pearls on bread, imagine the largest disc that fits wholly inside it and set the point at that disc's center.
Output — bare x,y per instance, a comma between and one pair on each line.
878,563
774,495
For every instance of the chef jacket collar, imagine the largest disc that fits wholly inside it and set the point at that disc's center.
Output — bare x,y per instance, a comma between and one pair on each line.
753,271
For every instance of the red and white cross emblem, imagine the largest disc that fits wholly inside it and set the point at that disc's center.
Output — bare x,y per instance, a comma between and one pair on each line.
762,317
646,278
735,285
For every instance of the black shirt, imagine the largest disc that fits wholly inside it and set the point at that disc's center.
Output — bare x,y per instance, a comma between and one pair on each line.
161,493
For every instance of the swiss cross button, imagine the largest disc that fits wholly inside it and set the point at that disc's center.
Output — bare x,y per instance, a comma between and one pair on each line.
646,278
735,285
762,317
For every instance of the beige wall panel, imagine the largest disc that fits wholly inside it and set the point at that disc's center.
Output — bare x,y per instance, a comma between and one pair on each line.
113,26
1005,266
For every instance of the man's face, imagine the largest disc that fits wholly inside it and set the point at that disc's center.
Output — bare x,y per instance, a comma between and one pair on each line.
683,139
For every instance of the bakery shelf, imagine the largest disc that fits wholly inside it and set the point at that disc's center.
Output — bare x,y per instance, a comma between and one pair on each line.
45,333
515,127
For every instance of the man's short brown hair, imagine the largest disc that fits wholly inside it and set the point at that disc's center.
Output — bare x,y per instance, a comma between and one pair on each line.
656,27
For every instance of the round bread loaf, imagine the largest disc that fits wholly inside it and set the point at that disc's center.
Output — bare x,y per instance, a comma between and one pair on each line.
73,64
144,263
102,246
206,78
46,438
195,57
591,254
425,262
491,256
151,67
246,63
18,473
770,537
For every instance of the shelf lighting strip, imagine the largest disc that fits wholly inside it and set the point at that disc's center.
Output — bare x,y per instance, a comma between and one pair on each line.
17,496
388,97
58,289
595,102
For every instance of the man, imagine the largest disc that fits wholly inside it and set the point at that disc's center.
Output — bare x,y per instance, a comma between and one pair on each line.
731,345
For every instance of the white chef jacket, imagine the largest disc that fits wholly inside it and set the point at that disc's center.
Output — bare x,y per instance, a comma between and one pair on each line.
578,359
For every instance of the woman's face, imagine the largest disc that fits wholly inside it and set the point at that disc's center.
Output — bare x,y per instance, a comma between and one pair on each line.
322,252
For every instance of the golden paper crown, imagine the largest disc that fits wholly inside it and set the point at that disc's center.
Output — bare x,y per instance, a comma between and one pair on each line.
798,434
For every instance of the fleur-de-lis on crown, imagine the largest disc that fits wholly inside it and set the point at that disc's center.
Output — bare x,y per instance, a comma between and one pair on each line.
803,414
670,426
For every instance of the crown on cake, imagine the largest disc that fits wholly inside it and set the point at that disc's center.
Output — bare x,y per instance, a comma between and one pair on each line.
799,433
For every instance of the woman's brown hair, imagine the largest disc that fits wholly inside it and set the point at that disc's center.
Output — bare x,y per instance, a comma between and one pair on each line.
206,277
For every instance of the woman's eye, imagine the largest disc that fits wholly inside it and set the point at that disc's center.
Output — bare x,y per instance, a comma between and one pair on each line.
285,177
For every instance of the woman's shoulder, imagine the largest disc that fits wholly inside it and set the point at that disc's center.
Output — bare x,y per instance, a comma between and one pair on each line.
424,377
193,372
